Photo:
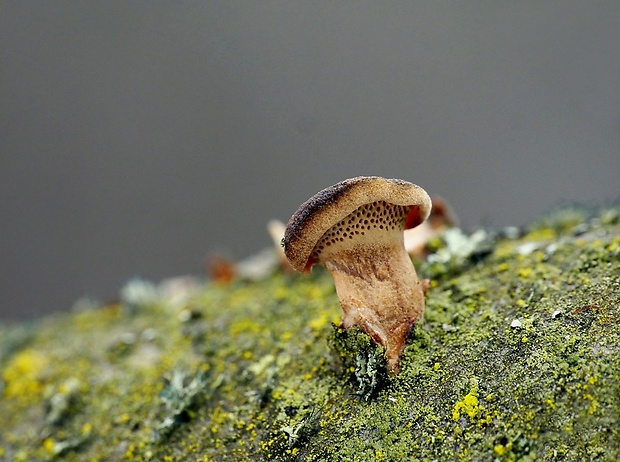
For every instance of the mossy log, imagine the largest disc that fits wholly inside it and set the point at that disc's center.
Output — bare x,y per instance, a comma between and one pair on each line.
518,358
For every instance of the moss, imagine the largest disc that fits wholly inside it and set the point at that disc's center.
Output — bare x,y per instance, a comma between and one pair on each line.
518,359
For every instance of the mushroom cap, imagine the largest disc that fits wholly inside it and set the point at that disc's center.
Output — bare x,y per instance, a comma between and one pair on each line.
327,207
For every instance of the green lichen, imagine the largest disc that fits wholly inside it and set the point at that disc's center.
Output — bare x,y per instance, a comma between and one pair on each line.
518,358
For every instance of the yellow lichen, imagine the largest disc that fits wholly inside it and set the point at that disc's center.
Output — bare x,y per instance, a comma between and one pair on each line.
543,234
244,326
23,376
323,320
469,405
504,250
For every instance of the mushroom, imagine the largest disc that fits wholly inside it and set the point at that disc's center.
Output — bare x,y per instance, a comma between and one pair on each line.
276,230
441,218
355,230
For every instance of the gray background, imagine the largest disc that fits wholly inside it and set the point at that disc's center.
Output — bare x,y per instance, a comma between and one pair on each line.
136,138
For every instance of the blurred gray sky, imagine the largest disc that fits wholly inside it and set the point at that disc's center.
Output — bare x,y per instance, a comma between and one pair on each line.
138,137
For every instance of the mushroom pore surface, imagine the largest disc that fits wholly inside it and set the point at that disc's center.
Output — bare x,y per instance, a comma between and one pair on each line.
369,225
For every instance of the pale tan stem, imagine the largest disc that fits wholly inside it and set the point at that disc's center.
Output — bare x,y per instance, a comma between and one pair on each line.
380,292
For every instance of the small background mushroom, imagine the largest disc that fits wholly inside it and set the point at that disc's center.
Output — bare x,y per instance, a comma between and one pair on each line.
441,218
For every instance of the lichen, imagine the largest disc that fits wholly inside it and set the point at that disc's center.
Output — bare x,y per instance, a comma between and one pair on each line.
518,358
23,377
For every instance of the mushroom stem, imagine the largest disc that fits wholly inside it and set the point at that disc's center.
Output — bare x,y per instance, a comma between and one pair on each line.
355,229
380,292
